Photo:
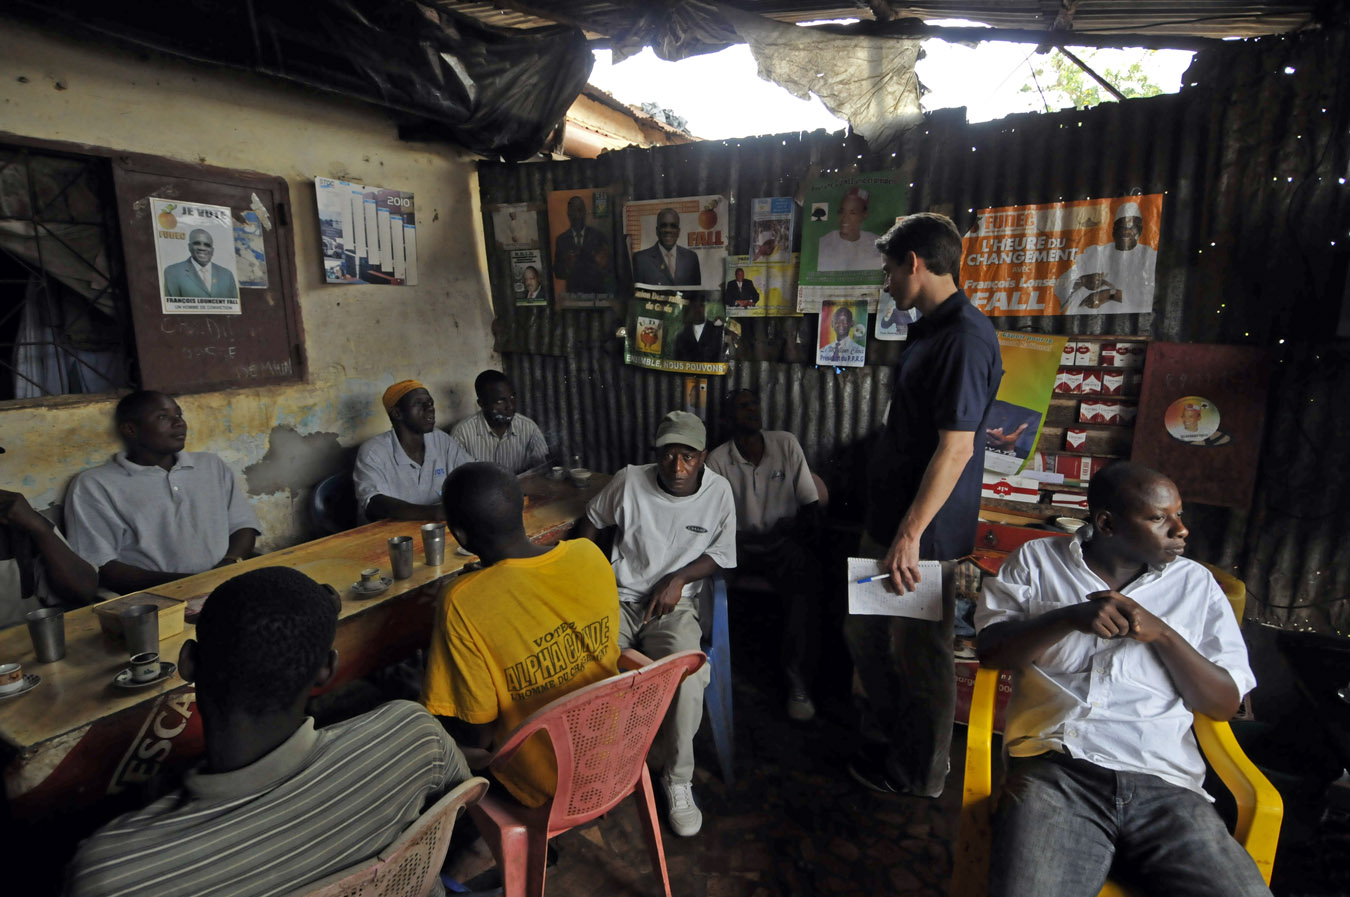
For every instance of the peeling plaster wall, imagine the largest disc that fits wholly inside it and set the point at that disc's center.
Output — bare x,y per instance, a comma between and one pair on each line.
279,440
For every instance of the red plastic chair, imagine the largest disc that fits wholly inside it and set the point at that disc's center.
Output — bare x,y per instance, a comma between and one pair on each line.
600,736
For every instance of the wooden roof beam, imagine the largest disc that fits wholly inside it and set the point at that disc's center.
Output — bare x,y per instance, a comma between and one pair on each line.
913,28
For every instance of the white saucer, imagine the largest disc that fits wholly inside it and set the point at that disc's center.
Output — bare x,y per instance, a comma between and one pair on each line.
374,587
30,682
124,680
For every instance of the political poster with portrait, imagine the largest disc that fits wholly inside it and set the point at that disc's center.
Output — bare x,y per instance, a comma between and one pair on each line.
771,220
519,273
1030,361
760,288
581,233
678,243
194,251
842,340
842,217
893,323
1088,257
683,333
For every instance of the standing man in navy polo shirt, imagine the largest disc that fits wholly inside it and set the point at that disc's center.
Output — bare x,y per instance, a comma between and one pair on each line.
925,498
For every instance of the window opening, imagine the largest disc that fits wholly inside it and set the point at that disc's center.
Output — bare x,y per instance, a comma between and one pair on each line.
65,322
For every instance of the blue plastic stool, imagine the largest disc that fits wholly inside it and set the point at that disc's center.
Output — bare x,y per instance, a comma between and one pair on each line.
717,696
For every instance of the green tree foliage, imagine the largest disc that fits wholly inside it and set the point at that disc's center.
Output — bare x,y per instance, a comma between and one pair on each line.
1062,83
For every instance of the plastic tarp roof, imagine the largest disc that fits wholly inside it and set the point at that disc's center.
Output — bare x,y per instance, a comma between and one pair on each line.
498,92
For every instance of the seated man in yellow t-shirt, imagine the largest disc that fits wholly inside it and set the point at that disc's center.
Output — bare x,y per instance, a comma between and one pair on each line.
534,624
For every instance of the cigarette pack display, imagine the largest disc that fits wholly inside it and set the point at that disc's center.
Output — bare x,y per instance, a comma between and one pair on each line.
1068,354
1092,381
1069,500
1108,355
1022,489
1126,413
1075,440
1113,383
1073,380
1130,355
1087,354
1091,411
1074,467
1061,381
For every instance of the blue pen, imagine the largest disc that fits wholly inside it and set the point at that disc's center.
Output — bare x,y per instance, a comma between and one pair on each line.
863,582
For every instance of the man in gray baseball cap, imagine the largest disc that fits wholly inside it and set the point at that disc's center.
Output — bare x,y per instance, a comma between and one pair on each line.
676,525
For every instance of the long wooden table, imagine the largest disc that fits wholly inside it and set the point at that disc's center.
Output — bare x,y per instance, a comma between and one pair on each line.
77,737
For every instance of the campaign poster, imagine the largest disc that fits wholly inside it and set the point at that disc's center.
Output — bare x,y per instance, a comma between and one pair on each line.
760,288
581,232
515,225
892,323
842,218
517,259
842,340
678,243
1089,257
771,228
1030,362
194,251
668,331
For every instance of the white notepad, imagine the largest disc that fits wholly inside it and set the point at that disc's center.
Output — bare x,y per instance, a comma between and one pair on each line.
924,603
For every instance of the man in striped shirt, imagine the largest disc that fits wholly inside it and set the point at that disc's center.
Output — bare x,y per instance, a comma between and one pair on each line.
276,804
497,434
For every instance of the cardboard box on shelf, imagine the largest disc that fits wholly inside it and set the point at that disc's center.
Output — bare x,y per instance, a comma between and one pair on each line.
1068,354
1088,354
1075,440
1092,381
1010,488
1113,383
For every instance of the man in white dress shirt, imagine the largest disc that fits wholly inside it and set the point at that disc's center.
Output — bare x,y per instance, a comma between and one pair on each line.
1114,639
399,473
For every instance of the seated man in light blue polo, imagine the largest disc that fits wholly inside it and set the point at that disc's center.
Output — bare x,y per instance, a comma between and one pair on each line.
399,473
156,513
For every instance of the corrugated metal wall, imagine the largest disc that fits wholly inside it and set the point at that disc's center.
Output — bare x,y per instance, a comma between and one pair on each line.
1253,158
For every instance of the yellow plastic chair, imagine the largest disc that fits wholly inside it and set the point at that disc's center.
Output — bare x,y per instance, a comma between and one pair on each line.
1260,808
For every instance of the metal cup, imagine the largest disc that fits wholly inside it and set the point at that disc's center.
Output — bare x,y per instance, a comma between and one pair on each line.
140,627
48,630
401,556
145,667
433,543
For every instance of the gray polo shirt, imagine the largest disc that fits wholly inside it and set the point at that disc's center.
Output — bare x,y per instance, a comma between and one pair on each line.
521,447
170,521
770,491
384,468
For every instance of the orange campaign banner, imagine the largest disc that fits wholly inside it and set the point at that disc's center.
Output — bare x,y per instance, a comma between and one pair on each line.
1090,257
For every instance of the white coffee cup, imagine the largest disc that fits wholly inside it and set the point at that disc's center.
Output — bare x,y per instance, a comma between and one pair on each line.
144,667
11,677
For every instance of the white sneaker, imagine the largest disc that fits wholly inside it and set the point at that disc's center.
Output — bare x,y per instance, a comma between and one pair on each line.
799,706
682,813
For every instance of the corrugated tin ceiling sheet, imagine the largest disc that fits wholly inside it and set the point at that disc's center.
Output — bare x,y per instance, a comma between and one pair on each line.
1201,18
